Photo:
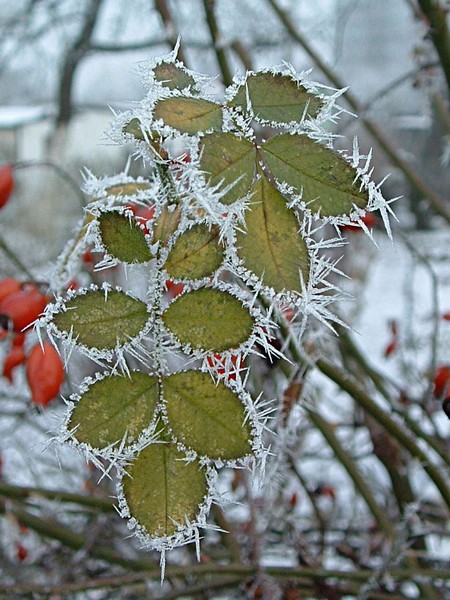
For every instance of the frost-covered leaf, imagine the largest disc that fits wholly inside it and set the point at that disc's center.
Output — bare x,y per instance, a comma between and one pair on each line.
123,238
163,490
229,159
323,177
271,246
135,128
209,319
276,98
167,223
196,253
127,189
189,115
172,76
206,416
102,322
115,408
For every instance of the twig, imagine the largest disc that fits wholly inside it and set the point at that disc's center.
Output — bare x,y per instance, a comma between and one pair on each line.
172,34
209,6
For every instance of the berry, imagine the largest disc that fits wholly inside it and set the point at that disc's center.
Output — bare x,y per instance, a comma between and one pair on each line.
45,373
173,288
8,286
6,184
369,220
217,359
441,381
14,358
23,307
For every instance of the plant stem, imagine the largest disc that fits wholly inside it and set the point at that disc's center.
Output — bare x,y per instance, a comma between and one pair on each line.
436,15
209,6
15,259
348,384
30,493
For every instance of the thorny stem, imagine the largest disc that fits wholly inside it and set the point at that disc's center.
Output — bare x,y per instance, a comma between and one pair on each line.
209,6
438,204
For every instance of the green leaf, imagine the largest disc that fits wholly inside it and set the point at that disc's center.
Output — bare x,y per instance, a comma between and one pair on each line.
228,159
114,407
196,253
172,77
123,238
325,177
276,98
189,115
127,189
271,247
163,490
209,319
206,416
134,127
97,322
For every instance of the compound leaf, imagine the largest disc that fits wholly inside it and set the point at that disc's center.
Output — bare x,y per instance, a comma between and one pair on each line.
115,408
163,490
323,177
196,253
271,247
189,115
206,416
99,321
123,238
172,77
228,159
209,319
276,98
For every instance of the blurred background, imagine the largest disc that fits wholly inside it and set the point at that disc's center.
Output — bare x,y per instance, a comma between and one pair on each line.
65,67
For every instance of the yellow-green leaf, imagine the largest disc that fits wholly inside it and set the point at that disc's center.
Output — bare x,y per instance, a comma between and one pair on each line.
99,322
115,408
206,416
209,319
229,159
127,189
134,127
271,246
189,115
172,77
163,490
324,177
196,253
276,98
123,238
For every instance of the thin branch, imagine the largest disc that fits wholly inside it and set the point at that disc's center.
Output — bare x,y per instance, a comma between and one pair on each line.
209,6
30,493
436,15
163,9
